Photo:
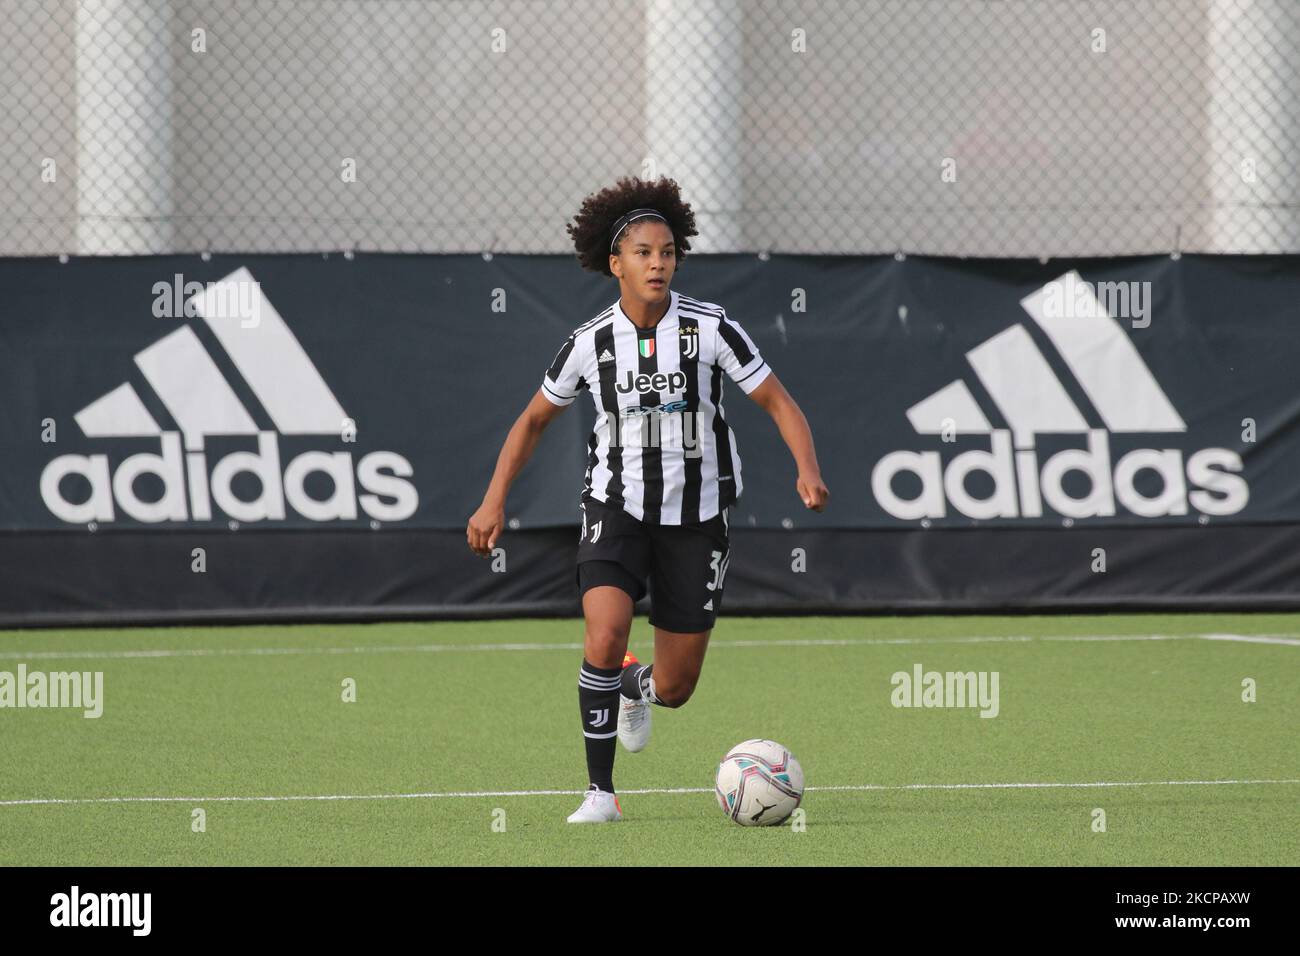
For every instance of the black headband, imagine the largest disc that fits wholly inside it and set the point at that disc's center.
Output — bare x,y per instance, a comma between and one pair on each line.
629,217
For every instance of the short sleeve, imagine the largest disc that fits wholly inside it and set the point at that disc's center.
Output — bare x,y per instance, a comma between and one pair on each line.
563,380
738,356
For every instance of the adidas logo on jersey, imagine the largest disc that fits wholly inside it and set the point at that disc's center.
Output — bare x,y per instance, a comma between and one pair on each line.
1033,401
192,389
606,356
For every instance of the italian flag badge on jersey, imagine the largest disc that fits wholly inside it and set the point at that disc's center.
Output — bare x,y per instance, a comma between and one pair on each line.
647,347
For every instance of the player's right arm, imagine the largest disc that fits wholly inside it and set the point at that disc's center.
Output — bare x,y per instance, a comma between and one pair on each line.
485,524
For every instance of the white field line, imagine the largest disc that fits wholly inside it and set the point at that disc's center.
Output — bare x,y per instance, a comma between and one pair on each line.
574,645
660,790
1251,638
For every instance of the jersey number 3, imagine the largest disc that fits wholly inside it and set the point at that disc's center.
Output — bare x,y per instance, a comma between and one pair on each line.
719,566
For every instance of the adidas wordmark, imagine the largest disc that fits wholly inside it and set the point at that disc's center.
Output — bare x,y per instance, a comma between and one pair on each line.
1033,401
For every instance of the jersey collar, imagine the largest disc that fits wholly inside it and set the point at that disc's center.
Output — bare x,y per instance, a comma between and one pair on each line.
669,317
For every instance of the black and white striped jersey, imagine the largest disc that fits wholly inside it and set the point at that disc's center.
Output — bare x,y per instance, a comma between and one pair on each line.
661,448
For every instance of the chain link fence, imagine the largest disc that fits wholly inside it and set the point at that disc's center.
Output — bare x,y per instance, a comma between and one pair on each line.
946,127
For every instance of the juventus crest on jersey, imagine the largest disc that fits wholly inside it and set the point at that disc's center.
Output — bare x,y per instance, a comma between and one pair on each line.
661,448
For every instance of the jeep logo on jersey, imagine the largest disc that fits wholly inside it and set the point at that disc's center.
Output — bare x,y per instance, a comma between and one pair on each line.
656,382
198,397
1033,401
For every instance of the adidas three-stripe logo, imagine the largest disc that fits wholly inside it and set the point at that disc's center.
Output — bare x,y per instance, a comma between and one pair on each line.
1018,378
200,401
187,380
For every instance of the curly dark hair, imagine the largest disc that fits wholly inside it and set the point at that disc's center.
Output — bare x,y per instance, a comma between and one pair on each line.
590,229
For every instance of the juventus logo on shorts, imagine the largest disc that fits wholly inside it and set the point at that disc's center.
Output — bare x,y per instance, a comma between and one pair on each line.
595,530
599,718
690,341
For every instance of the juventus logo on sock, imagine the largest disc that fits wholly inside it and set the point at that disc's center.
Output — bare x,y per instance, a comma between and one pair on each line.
598,690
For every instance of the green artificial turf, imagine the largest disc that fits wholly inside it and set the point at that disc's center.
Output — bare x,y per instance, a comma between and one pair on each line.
445,708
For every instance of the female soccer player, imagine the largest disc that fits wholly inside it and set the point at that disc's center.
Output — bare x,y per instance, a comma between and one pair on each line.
662,471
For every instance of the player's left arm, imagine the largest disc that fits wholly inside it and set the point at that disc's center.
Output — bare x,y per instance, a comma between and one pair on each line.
771,395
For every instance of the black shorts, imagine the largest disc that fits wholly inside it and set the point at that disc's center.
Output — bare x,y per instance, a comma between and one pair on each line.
686,565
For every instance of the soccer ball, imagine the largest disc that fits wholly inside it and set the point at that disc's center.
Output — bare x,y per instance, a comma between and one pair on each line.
759,783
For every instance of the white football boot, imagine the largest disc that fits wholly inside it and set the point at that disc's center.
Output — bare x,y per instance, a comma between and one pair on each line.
597,807
633,717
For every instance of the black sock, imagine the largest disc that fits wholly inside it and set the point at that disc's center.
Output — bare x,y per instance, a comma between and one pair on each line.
598,689
639,683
